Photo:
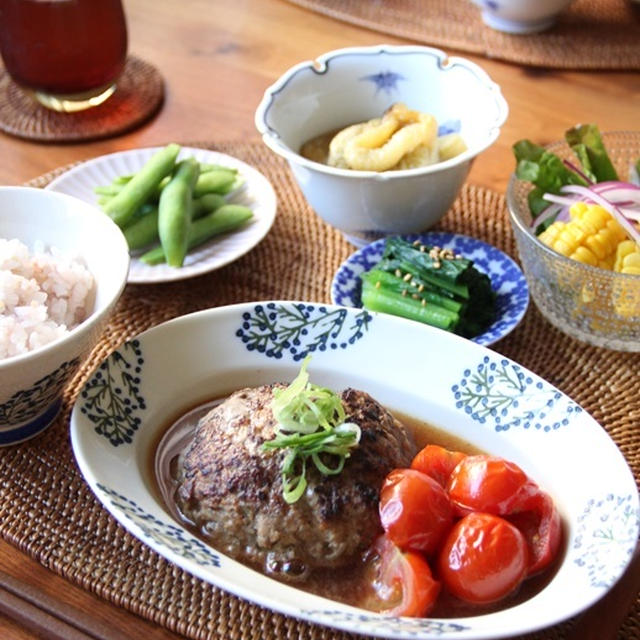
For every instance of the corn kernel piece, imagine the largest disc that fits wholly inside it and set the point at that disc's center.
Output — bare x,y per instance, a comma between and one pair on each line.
582,254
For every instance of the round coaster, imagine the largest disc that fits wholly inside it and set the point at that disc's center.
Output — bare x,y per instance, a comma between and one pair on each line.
138,96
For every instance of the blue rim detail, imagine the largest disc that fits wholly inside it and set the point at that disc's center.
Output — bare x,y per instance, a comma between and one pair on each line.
33,427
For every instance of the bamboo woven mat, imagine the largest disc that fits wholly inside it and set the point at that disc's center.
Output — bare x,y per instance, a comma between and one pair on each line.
590,34
48,511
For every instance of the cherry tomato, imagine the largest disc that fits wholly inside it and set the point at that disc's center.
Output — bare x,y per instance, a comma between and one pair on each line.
483,559
437,462
542,529
415,511
403,583
491,485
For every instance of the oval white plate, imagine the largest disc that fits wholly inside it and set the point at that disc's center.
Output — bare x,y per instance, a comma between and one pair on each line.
507,280
473,392
257,194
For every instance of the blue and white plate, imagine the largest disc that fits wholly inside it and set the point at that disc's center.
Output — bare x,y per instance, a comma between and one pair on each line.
474,394
506,277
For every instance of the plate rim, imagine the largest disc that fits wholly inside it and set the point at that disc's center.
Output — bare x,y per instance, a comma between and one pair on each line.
200,267
480,339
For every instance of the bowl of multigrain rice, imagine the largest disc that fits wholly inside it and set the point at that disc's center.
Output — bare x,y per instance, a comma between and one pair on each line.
63,266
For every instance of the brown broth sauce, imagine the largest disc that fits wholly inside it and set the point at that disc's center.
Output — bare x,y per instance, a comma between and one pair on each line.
317,149
350,585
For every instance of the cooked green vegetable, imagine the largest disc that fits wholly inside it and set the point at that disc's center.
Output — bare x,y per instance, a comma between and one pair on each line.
228,217
215,181
174,212
139,189
310,424
586,142
430,285
153,204
144,230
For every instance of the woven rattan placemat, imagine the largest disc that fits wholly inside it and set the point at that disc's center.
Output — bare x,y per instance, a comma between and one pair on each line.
138,96
590,34
48,511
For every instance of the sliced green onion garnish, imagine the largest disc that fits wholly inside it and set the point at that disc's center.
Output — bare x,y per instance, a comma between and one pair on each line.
310,423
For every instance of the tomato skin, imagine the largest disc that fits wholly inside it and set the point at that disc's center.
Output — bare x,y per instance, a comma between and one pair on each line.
403,576
437,462
415,511
490,485
542,529
483,559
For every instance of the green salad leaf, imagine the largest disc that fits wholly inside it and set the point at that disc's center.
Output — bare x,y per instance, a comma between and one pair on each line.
545,170
587,144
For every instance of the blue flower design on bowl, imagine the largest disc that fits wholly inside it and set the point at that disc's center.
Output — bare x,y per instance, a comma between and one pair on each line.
507,279
111,398
386,81
276,329
388,625
162,533
606,537
29,411
501,393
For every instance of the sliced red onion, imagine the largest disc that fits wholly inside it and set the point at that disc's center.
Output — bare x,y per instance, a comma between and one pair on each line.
590,194
549,212
563,200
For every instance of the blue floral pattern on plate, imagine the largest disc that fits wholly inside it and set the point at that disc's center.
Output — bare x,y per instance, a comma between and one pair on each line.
503,394
506,277
275,329
111,398
606,537
169,535
390,626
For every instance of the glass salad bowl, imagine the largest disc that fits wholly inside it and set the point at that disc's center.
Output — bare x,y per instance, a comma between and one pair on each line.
591,304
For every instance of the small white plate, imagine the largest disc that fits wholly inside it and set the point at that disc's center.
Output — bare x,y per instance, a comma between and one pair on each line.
256,193
507,280
474,393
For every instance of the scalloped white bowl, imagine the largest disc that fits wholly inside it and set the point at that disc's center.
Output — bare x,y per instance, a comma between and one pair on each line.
355,84
31,384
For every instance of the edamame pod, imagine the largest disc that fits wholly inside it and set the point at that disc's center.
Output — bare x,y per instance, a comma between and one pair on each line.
144,231
215,181
174,211
138,190
228,217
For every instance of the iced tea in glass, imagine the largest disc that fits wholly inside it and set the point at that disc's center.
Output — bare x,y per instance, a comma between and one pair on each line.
69,53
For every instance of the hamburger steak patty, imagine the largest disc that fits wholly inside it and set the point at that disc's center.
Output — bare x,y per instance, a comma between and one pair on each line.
231,489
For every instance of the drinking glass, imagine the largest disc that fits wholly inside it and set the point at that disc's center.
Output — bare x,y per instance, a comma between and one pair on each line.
67,53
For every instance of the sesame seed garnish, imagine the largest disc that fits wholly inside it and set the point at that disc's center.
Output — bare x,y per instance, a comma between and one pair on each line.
398,273
421,288
407,277
378,284
424,302
404,292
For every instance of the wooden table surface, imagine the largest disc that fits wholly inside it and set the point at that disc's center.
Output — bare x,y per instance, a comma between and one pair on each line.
217,57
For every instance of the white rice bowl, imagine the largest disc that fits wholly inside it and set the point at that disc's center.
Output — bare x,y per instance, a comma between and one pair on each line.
63,267
43,295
